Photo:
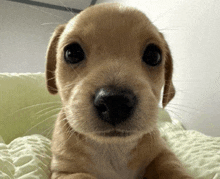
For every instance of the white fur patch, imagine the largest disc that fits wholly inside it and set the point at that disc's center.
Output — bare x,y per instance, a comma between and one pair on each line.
110,160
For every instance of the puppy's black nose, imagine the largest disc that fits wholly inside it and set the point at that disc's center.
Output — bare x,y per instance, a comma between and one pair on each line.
114,105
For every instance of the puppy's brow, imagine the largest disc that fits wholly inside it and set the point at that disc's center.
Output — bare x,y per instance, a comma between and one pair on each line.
69,40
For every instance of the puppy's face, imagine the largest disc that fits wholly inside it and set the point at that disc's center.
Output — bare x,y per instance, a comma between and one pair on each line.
110,50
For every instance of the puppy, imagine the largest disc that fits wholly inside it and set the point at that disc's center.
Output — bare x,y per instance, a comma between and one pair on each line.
109,64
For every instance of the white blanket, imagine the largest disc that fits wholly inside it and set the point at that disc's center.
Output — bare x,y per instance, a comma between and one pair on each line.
199,153
25,158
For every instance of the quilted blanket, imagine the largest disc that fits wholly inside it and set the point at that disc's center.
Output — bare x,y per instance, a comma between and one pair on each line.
199,153
25,158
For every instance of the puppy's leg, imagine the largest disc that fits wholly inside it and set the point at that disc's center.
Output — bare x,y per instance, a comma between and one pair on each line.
72,176
166,166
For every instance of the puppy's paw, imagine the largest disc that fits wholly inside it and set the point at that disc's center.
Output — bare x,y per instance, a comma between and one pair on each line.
72,176
83,176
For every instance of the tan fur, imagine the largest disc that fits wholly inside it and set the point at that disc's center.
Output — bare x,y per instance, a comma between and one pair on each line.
113,38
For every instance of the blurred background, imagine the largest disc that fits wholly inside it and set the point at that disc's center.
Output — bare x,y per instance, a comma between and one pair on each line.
191,29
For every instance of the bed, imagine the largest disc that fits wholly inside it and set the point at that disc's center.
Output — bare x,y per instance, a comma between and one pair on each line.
27,116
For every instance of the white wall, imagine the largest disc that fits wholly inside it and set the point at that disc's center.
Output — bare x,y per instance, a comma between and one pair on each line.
190,27
25,31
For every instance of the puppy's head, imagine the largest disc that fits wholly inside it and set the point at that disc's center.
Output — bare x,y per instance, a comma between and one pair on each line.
109,64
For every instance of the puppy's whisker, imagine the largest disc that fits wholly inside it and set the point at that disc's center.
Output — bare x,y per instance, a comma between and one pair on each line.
33,106
184,106
174,112
76,73
181,110
170,29
69,130
49,133
46,109
67,87
162,15
69,133
180,129
39,124
50,23
188,81
52,78
51,14
53,72
69,10
56,109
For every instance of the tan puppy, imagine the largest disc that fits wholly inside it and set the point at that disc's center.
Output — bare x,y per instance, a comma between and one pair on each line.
109,64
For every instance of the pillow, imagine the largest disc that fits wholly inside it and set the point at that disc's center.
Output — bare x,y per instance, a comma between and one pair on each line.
26,106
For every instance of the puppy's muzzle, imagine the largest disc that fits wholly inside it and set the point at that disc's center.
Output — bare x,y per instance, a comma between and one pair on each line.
114,105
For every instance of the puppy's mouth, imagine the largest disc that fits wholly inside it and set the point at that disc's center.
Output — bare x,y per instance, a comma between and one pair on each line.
116,133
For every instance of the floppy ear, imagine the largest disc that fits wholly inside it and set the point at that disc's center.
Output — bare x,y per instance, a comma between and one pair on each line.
51,60
169,90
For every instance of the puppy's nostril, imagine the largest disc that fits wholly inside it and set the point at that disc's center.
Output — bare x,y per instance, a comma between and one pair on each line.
114,105
102,108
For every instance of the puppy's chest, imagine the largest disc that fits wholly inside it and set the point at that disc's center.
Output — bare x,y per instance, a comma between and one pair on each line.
110,161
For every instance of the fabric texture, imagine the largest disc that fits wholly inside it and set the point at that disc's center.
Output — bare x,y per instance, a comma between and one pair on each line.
25,158
199,153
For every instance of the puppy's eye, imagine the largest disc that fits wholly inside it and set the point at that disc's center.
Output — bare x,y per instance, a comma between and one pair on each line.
73,53
152,55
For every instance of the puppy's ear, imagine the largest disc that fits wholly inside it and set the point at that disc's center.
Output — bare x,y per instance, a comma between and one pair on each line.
169,90
51,59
